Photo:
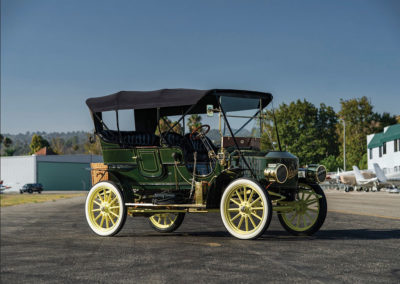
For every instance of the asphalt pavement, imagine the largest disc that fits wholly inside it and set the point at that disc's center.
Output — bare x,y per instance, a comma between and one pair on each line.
51,243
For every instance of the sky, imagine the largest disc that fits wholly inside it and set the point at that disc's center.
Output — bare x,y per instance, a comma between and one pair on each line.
56,54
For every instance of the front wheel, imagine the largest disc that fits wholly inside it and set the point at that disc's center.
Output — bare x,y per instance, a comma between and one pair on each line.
246,209
309,211
166,222
105,209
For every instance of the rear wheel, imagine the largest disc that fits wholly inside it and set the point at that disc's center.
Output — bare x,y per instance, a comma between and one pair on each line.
166,222
105,209
309,211
246,209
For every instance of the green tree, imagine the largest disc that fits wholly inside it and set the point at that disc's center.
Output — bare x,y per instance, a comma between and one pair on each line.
327,127
165,124
37,143
304,130
58,145
194,121
92,148
71,144
1,138
359,119
363,164
9,151
380,121
332,163
7,142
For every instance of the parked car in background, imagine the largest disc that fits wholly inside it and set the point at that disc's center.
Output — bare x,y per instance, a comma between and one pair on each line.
31,188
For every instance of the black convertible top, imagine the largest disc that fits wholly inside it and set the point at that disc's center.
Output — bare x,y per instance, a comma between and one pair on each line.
171,101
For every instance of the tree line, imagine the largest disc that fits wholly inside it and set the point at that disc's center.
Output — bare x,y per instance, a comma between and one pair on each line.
316,135
76,142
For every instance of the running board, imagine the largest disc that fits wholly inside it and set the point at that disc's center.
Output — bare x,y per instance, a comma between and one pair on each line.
151,205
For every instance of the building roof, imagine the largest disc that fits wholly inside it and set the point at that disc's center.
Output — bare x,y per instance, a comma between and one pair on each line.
391,132
45,151
375,141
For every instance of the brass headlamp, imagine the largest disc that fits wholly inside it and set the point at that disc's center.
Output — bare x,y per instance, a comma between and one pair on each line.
313,173
276,173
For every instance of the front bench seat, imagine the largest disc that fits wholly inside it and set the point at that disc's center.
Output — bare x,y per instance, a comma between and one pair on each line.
189,146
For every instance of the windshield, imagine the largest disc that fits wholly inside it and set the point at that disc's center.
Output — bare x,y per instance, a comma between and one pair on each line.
244,124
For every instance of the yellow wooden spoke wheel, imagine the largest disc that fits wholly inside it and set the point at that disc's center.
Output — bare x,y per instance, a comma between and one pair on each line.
105,209
166,222
308,213
245,209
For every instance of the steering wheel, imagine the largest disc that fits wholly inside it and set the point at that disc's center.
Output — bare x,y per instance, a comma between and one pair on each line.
203,132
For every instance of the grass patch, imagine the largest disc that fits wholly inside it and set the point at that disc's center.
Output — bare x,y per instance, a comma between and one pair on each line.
15,199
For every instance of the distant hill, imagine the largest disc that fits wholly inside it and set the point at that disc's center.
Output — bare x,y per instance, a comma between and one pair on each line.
27,137
73,142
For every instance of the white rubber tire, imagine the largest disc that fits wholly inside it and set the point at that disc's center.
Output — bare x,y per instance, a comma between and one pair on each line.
266,201
120,222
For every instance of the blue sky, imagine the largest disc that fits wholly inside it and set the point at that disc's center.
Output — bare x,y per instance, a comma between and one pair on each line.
56,54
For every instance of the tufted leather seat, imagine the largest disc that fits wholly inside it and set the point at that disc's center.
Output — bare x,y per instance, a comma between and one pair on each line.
189,146
130,138
172,139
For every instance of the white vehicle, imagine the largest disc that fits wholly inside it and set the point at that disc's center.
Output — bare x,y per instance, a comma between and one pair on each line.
348,179
3,187
393,180
365,183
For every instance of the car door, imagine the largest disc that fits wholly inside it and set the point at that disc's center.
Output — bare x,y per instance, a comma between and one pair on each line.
149,162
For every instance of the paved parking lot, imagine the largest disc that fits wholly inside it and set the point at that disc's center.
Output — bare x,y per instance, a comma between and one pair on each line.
51,242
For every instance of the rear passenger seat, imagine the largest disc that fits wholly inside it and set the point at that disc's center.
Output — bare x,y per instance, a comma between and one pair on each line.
130,138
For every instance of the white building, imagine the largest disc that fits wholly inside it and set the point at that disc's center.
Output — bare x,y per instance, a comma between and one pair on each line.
55,172
384,149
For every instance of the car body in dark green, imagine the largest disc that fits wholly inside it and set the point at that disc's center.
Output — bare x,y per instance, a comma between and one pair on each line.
164,176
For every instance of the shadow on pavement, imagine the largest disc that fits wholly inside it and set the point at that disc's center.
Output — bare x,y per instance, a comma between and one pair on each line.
359,234
351,234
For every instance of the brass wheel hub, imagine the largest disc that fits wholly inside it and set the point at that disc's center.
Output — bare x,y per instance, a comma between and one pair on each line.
105,208
301,207
245,208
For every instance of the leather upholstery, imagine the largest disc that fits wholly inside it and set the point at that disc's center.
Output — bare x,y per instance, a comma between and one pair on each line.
172,139
130,138
189,146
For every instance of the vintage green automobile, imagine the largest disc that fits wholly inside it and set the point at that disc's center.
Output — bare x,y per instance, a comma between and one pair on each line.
163,177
